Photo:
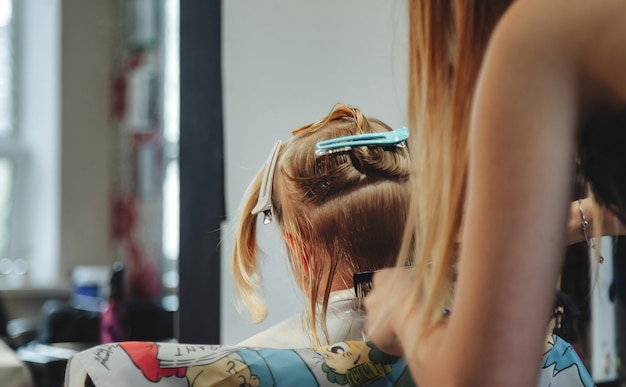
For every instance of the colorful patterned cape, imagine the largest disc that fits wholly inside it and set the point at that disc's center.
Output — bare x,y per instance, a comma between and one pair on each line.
351,363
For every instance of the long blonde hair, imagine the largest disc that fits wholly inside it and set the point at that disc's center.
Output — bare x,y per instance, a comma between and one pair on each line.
447,42
346,211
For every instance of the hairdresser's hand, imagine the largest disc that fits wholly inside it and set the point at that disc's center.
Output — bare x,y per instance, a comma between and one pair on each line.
391,324
611,224
387,310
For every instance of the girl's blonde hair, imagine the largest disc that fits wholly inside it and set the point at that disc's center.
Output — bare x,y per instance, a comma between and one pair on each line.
345,210
447,41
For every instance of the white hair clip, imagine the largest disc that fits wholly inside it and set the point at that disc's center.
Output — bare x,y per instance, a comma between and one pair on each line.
264,203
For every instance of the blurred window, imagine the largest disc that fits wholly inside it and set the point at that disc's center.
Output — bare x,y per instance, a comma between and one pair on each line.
7,133
6,67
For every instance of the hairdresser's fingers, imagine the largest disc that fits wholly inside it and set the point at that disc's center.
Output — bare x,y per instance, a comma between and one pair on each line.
391,282
389,344
382,294
380,308
385,340
381,289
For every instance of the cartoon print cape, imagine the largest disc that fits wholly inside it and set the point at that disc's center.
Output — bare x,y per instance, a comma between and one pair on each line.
351,363
562,366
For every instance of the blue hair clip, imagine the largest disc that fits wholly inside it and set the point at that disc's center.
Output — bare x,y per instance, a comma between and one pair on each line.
343,144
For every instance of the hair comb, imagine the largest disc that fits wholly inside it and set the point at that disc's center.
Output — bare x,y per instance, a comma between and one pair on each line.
362,283
343,144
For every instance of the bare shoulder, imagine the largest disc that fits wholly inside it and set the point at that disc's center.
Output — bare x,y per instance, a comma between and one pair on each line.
582,37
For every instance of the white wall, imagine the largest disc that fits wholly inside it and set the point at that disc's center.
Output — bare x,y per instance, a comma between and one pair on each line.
87,141
285,64
64,70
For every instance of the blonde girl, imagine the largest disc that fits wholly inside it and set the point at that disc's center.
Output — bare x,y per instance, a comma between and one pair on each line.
339,213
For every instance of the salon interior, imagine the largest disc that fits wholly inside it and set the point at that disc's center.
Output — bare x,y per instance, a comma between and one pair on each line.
129,132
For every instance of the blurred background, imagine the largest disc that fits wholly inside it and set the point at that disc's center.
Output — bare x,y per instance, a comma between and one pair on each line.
129,131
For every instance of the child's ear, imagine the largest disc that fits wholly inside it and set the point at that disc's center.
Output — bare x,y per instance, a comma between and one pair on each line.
298,249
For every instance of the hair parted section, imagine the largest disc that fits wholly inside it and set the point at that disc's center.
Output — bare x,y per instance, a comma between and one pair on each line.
347,210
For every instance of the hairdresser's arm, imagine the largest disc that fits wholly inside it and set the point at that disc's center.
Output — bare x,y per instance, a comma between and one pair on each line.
540,76
522,146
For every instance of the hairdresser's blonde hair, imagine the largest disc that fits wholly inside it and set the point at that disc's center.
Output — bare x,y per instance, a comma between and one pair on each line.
346,210
447,42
